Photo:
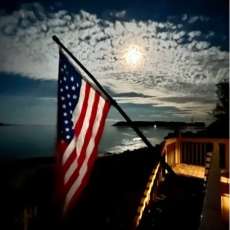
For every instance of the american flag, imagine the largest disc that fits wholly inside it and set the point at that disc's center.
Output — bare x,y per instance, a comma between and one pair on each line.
82,112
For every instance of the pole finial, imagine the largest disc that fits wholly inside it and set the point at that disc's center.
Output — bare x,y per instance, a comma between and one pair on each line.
55,38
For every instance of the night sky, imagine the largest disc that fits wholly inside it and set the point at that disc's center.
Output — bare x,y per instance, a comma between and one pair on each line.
181,50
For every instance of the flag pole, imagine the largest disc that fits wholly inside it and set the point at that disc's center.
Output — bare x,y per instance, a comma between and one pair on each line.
113,102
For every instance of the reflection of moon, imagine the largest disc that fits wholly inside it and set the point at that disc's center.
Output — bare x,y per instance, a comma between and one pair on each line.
133,56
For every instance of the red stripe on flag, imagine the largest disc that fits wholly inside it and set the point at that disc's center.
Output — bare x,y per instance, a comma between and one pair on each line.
81,155
59,195
77,155
91,160
71,158
80,121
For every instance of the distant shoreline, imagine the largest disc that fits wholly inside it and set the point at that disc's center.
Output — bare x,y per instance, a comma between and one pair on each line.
11,124
161,124
4,124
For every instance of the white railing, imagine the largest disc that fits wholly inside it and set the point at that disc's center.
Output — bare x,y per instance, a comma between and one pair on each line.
149,193
192,151
184,150
211,212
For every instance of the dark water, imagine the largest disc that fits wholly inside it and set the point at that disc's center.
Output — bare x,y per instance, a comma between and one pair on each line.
25,141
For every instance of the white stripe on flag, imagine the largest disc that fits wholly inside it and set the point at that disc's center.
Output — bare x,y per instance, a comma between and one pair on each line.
78,109
76,115
81,137
90,147
69,150
70,170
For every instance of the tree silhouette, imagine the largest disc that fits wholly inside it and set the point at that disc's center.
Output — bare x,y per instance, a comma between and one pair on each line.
221,111
220,127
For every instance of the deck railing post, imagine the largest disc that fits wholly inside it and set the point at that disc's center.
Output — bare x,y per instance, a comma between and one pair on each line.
178,151
211,213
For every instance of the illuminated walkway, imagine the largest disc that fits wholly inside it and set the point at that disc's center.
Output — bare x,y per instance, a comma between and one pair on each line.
197,171
188,155
189,170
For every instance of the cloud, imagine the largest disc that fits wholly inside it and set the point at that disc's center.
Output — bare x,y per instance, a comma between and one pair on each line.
194,19
118,14
194,34
14,85
187,99
184,17
177,61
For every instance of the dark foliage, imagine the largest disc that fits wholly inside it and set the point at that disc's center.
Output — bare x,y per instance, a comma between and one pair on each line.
221,111
220,127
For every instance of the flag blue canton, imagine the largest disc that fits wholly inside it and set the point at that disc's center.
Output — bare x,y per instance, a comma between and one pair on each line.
69,86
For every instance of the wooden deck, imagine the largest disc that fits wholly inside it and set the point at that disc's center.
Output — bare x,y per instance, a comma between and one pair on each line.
189,170
196,171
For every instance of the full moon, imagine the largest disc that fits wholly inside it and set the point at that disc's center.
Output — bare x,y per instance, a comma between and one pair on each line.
133,56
